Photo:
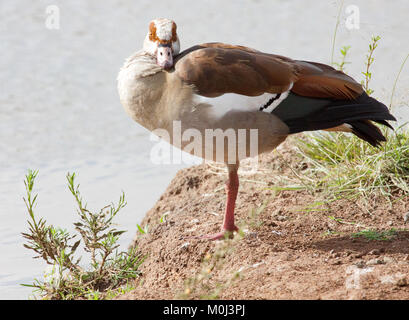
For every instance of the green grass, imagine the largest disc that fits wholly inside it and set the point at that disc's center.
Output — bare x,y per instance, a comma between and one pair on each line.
349,166
374,235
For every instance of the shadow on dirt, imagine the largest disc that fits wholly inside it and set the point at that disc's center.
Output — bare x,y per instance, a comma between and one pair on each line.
399,243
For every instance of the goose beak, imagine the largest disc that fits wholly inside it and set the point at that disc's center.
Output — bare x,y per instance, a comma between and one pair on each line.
164,57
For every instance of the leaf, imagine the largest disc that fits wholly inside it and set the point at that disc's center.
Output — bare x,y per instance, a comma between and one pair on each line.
140,229
74,247
117,233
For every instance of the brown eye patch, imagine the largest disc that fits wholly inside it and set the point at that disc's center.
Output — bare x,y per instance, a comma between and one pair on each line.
152,32
174,35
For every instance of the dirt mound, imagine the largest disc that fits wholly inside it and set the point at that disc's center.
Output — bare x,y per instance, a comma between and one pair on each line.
294,244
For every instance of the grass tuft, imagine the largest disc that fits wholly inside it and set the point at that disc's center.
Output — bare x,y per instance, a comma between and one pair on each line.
374,235
350,166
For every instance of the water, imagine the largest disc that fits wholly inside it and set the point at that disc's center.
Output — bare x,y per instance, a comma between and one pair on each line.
60,112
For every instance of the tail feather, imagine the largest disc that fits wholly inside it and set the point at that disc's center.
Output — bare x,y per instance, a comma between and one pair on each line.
367,131
357,113
385,123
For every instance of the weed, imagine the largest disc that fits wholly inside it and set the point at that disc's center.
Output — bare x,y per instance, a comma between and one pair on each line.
341,65
142,230
203,285
396,81
369,60
335,31
67,279
254,220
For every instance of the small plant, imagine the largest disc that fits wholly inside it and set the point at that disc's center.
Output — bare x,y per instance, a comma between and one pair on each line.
143,230
203,285
396,81
254,220
164,217
335,31
369,60
374,235
67,279
341,65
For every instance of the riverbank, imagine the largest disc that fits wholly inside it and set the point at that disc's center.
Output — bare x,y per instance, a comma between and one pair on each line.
294,244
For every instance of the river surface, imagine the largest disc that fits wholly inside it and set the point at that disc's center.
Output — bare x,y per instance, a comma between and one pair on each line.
60,112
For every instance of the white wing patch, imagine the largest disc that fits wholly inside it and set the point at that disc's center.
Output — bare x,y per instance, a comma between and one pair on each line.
220,105
275,100
273,103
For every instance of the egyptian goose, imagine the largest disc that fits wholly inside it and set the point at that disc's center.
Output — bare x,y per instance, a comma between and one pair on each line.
216,86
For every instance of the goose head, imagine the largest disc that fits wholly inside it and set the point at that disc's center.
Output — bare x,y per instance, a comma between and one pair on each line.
162,42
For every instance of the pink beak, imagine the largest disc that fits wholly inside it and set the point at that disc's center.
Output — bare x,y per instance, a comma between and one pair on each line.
164,57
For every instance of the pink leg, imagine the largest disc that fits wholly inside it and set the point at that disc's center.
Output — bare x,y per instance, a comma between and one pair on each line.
232,188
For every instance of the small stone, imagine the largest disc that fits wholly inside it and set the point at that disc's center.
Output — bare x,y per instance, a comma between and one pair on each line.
185,245
406,217
207,194
277,212
402,282
375,261
360,264
334,254
375,252
252,235
388,260
359,255
336,262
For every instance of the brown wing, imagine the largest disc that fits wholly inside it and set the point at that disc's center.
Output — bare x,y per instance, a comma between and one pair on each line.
217,68
318,80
